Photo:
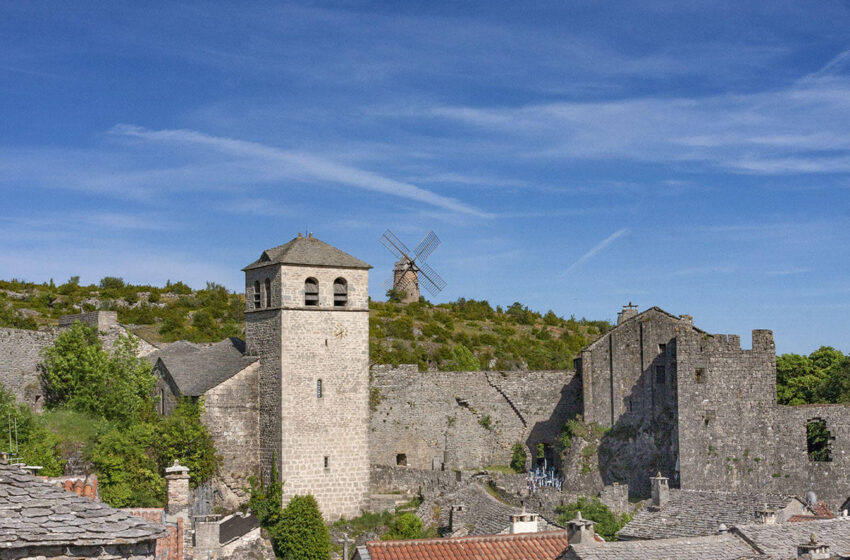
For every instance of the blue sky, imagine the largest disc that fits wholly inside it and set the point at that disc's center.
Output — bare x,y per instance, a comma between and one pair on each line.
572,156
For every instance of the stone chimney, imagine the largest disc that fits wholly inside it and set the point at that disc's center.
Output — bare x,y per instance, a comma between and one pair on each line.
628,312
457,518
766,515
812,550
580,531
660,490
207,534
523,522
177,484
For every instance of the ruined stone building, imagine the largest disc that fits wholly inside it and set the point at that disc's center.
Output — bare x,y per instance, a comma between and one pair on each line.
717,401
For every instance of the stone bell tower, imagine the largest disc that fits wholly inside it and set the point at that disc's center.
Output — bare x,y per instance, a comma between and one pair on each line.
307,318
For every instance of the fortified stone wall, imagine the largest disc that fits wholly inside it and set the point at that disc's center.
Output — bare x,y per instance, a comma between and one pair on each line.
232,415
464,420
727,411
795,471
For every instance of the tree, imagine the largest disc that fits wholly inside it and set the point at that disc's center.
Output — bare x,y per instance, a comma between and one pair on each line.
184,437
607,522
127,470
463,359
78,374
301,533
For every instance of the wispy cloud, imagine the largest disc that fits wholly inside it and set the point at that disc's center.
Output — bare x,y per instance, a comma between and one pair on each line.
283,163
804,128
597,248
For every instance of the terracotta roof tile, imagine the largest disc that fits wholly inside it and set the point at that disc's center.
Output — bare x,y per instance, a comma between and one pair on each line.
527,546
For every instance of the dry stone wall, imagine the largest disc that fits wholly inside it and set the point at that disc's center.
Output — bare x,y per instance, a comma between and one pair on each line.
465,420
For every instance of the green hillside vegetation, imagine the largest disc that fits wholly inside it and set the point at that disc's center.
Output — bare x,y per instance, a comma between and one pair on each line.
471,335
173,312
463,335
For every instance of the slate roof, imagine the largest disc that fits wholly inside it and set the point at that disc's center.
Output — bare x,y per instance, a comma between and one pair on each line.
307,251
715,547
691,513
656,309
196,368
526,546
485,515
36,513
780,541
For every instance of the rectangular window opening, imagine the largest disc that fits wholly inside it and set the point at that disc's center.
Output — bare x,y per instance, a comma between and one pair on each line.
699,375
662,349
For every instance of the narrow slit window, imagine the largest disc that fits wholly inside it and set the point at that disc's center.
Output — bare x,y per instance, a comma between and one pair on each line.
327,462
340,292
319,389
311,291
161,404
699,375
268,292
257,297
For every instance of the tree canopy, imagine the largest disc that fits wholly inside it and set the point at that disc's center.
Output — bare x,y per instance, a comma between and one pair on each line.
821,377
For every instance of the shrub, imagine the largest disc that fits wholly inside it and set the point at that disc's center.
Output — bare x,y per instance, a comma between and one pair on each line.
607,522
404,526
301,533
518,458
463,359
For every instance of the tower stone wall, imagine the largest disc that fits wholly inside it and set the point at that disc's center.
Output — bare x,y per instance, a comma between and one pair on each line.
314,382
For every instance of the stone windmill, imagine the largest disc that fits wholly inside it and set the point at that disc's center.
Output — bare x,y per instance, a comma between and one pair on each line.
410,269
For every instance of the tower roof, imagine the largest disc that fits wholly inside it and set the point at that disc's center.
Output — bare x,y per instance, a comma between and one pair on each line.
307,251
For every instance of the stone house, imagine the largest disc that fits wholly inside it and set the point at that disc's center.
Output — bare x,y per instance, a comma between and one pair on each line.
227,379
41,520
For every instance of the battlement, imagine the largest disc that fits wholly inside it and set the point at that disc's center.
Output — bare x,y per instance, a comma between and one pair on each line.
100,320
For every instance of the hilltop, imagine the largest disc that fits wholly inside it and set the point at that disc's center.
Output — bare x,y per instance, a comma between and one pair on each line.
462,335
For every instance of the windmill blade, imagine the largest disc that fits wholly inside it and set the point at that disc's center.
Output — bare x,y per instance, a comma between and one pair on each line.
395,246
426,246
430,279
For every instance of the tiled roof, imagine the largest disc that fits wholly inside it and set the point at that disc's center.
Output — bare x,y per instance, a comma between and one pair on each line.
36,513
526,546
715,547
818,511
780,541
691,513
196,368
307,251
